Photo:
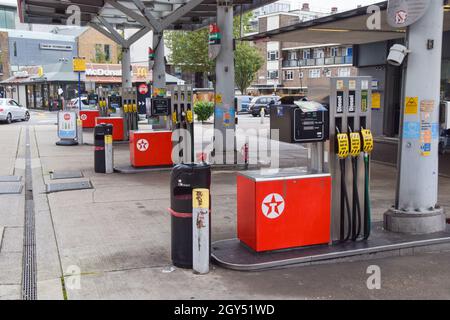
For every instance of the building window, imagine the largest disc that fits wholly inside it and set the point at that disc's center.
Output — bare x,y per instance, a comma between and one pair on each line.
314,73
289,75
334,52
272,74
292,55
15,48
344,72
319,53
349,52
301,75
307,54
272,55
107,52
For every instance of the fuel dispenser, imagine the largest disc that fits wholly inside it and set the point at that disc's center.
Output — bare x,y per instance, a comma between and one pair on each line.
130,110
183,118
351,144
325,203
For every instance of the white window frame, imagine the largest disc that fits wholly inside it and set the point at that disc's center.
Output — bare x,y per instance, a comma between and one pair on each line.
273,55
315,73
344,72
273,74
289,75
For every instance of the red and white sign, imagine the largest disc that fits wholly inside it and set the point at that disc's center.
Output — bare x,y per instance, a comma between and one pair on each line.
401,16
67,116
273,206
143,89
142,145
83,117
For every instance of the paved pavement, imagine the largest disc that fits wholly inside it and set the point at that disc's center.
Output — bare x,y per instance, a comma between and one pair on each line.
116,237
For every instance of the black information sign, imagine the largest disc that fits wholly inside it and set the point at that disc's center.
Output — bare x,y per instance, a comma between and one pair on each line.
352,101
340,102
161,106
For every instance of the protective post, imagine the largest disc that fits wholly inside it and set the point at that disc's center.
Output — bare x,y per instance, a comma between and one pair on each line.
80,131
200,231
109,156
225,81
416,209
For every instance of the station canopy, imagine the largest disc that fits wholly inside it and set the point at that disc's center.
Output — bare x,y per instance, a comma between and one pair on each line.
348,27
124,14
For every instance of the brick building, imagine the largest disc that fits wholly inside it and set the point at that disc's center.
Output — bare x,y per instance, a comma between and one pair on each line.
291,67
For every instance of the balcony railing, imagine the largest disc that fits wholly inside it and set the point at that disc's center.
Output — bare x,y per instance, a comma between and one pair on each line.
317,62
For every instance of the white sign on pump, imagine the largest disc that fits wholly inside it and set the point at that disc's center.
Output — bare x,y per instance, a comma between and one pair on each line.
403,13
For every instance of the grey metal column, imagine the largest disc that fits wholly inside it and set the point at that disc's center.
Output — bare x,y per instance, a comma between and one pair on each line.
159,68
224,115
416,208
127,81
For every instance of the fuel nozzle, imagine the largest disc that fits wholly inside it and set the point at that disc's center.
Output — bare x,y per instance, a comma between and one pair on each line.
343,146
367,140
355,143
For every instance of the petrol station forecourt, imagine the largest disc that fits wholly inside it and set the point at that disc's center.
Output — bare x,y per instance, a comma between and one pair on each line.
123,223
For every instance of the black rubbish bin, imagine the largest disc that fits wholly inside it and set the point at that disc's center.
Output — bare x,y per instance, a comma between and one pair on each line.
100,131
185,178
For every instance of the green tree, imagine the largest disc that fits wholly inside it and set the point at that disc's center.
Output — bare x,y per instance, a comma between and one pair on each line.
189,51
248,61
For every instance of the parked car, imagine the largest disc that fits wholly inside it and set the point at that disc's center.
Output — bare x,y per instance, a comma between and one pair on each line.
242,103
11,111
262,102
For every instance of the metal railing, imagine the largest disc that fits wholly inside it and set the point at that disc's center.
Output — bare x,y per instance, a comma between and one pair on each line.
318,62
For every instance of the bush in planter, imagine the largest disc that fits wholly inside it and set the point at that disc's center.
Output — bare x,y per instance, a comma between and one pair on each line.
204,110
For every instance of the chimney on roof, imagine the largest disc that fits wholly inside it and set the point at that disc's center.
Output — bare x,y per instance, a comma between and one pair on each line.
305,6
334,10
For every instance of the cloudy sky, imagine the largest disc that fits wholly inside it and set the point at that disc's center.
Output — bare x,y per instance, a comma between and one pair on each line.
325,5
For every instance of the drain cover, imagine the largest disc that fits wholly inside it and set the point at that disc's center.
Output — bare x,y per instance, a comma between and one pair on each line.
10,178
66,175
68,186
10,188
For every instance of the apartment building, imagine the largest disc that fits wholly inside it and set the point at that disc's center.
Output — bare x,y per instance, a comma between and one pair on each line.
292,67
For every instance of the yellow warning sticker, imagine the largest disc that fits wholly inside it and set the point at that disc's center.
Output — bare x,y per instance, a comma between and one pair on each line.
411,105
355,143
219,99
108,139
343,145
367,138
200,199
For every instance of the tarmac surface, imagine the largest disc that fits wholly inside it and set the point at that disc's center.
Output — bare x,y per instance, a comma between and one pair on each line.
113,241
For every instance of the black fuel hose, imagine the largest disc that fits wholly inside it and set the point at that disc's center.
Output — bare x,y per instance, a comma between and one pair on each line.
356,210
345,204
367,209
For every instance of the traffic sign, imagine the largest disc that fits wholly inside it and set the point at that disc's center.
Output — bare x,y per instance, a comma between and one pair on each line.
403,13
79,64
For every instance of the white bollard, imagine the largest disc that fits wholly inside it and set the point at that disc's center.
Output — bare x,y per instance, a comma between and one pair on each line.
80,131
200,231
109,156
262,113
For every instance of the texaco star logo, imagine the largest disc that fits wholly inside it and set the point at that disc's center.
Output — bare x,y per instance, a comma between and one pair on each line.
273,206
83,117
142,145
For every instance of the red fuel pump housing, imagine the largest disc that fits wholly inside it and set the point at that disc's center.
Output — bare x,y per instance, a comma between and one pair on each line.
118,126
285,210
151,148
88,117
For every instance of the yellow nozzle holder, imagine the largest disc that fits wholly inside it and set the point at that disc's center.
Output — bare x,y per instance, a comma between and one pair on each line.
189,116
134,107
343,148
367,140
355,144
125,108
174,117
